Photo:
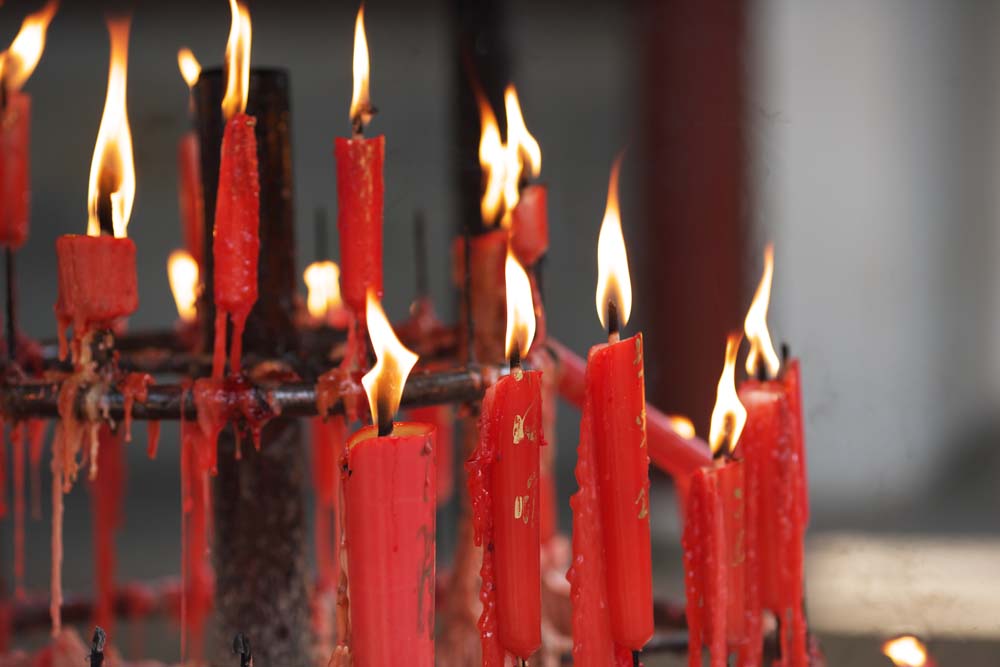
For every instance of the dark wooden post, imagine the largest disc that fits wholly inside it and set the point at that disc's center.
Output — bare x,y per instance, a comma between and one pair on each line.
691,274
260,514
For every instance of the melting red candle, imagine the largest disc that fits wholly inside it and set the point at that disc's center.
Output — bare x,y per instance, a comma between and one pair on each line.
236,243
17,65
96,273
360,190
389,485
192,202
106,513
197,589
773,448
715,546
504,483
616,461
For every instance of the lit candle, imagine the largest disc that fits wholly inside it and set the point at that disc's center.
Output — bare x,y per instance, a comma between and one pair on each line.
182,274
908,651
192,203
714,540
611,576
388,482
18,62
323,299
96,272
360,190
774,452
503,478
236,244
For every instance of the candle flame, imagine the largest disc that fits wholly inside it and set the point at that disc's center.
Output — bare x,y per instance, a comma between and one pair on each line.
520,150
682,426
613,280
323,281
237,61
189,66
755,325
491,160
906,651
182,271
112,169
729,416
361,106
520,307
384,382
20,60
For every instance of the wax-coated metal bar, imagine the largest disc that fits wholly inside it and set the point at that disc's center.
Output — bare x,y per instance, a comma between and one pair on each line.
168,401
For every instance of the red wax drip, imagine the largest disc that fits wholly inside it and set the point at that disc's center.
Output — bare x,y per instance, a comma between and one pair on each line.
17,440
359,218
58,484
190,195
153,435
211,402
328,447
134,387
236,243
106,515
36,437
15,135
3,473
197,590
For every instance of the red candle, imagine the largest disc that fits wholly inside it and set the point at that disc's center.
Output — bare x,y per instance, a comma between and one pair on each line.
236,243
189,170
19,62
106,512
529,231
197,586
615,397
96,273
442,418
717,583
360,190
486,262
389,484
328,447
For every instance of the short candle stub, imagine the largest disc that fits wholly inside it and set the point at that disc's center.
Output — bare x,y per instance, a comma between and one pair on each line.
614,326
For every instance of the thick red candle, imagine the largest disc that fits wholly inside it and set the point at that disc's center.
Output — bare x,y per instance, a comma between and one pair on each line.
15,191
236,244
97,284
510,434
442,418
617,394
190,195
705,578
390,512
359,217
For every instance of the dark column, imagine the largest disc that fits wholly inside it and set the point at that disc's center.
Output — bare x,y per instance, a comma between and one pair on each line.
692,108
260,516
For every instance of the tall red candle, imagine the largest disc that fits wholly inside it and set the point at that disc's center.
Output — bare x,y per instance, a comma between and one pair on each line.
389,506
328,436
236,243
18,64
189,188
106,513
360,190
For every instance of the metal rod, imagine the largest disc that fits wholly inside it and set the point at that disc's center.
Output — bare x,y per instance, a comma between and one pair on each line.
171,401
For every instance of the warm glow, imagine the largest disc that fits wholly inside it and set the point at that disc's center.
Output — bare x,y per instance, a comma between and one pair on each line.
190,68
323,281
491,160
755,325
112,170
361,106
682,426
384,382
613,281
20,59
906,651
182,271
520,150
729,416
520,308
237,61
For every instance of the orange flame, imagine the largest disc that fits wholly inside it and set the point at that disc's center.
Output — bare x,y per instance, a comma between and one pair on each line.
323,281
20,60
682,426
520,308
182,271
906,651
384,382
755,324
613,280
361,105
491,160
112,169
237,61
521,150
729,416
189,66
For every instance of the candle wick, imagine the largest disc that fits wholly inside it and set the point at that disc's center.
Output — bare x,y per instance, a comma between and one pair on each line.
761,371
385,424
515,358
613,323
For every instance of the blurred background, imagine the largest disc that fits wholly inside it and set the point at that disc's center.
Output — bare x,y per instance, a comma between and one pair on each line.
859,136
